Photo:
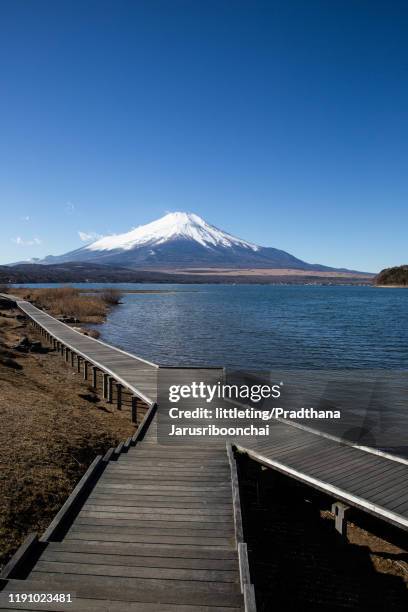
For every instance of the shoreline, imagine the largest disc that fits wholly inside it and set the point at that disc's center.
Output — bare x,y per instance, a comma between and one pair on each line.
390,286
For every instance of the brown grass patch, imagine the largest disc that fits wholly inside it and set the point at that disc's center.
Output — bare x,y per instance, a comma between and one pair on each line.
50,433
111,296
73,303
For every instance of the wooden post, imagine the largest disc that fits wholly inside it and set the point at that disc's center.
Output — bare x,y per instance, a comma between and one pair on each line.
94,376
118,396
133,414
85,370
105,385
340,511
109,389
78,364
72,358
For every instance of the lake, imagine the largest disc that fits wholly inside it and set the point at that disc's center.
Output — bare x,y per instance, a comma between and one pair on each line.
264,326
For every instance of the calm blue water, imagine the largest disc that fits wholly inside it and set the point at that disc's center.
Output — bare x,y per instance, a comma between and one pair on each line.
283,328
263,326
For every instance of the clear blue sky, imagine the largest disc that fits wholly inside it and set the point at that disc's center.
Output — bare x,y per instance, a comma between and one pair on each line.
283,122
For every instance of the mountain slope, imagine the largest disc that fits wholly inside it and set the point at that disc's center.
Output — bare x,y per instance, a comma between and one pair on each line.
181,240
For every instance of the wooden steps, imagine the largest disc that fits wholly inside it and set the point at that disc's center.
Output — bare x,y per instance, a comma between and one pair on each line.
156,533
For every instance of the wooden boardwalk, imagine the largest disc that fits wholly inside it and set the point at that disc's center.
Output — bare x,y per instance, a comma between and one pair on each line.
160,528
137,375
371,481
156,533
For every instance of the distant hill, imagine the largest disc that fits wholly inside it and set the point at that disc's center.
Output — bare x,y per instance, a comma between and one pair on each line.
393,276
78,272
182,240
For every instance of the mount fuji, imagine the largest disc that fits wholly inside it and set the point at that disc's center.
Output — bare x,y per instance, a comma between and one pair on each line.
181,240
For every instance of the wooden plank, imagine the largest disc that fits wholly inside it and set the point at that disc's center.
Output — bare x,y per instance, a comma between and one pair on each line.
209,510
145,572
249,598
244,574
105,535
194,480
138,473
144,425
142,549
108,483
381,488
108,455
174,520
210,529
136,561
367,476
125,470
81,604
239,534
161,492
138,590
179,453
133,529
156,586
170,463
103,504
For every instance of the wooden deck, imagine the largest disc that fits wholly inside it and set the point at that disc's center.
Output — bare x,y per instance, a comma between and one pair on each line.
160,529
156,533
371,481
136,374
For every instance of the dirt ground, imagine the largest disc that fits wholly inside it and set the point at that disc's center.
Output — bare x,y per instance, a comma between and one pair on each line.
52,425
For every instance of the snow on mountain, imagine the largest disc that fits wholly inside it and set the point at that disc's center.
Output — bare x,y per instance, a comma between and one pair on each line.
181,240
171,226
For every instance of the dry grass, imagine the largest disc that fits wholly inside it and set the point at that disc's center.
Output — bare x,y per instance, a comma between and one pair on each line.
71,302
111,296
52,427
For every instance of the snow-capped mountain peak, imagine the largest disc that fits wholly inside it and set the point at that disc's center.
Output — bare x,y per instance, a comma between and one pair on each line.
172,226
180,241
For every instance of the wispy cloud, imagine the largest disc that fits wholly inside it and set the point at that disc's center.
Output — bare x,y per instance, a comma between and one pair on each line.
22,242
69,208
88,236
25,218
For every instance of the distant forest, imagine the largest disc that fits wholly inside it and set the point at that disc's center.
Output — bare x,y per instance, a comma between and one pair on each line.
393,276
80,272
